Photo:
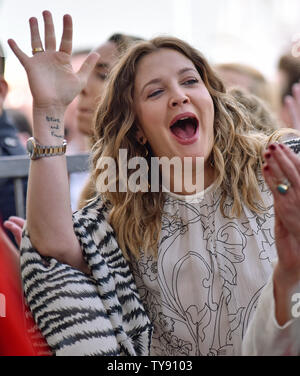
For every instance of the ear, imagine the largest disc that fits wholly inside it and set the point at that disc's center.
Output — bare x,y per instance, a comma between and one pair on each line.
3,91
140,136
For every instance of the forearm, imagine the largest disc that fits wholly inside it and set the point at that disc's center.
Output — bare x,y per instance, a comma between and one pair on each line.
49,214
264,336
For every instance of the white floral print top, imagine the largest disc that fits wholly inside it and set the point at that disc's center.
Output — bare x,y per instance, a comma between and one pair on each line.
203,290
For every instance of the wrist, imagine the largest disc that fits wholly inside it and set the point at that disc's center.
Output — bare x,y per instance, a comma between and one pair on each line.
52,108
48,125
286,280
285,286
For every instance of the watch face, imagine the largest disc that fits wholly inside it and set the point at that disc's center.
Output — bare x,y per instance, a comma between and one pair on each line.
30,146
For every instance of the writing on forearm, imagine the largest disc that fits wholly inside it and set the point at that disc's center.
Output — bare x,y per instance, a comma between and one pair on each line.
52,119
54,126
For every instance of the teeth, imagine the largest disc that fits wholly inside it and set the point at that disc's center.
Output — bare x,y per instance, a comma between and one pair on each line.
185,118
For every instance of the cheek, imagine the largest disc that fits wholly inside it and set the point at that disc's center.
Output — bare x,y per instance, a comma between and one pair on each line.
209,101
95,89
98,90
210,111
148,119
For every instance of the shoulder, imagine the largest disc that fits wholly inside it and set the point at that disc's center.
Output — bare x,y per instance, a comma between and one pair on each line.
91,223
95,212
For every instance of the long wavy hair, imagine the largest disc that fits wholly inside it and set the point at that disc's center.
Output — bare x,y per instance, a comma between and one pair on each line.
236,154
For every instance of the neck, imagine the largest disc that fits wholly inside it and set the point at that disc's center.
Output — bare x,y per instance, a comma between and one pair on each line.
190,180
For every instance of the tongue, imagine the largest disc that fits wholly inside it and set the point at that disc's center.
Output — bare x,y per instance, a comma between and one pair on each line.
185,131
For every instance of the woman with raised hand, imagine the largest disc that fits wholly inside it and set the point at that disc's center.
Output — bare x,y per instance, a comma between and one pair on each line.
82,189
54,85
201,260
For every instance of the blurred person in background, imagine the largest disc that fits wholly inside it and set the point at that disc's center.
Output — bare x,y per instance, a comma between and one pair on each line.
250,79
77,141
21,123
82,186
288,77
262,119
10,145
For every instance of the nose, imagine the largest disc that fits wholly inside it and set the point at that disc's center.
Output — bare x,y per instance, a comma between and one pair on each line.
178,98
87,88
84,91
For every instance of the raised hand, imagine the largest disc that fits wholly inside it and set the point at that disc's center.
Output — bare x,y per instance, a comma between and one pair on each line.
282,174
52,81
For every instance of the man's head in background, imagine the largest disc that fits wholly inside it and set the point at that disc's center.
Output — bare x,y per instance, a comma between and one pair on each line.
3,83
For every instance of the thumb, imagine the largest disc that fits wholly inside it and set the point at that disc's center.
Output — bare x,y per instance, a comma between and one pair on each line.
87,67
23,58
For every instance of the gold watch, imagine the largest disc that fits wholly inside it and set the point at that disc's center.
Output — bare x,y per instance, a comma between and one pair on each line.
37,151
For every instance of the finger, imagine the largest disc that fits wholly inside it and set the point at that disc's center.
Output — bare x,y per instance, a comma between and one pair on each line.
286,166
271,182
66,40
36,41
23,58
87,67
15,230
50,41
275,174
18,221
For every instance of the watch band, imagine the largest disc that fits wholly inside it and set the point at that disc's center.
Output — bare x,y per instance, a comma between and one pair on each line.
48,151
37,151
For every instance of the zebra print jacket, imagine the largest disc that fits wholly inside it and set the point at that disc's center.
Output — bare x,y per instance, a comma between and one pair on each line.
100,314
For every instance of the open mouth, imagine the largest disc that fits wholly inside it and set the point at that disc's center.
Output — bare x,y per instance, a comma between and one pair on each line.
185,129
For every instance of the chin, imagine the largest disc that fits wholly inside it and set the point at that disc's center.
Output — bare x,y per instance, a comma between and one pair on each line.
194,151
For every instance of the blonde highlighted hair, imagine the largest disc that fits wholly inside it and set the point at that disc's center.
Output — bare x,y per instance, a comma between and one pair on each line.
236,154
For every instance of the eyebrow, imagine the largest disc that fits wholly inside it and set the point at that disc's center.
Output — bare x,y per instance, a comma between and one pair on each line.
159,80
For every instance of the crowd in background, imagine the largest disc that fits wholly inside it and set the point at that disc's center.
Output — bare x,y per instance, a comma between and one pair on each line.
280,97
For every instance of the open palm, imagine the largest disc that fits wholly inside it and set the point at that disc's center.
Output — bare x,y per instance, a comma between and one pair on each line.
50,74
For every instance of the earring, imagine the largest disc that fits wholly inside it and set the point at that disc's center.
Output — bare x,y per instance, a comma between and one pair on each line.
143,143
146,150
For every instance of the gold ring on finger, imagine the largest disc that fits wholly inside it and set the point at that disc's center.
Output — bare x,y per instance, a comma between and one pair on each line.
283,187
37,50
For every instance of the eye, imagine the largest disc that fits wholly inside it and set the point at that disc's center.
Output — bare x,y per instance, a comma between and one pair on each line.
102,76
154,93
191,81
